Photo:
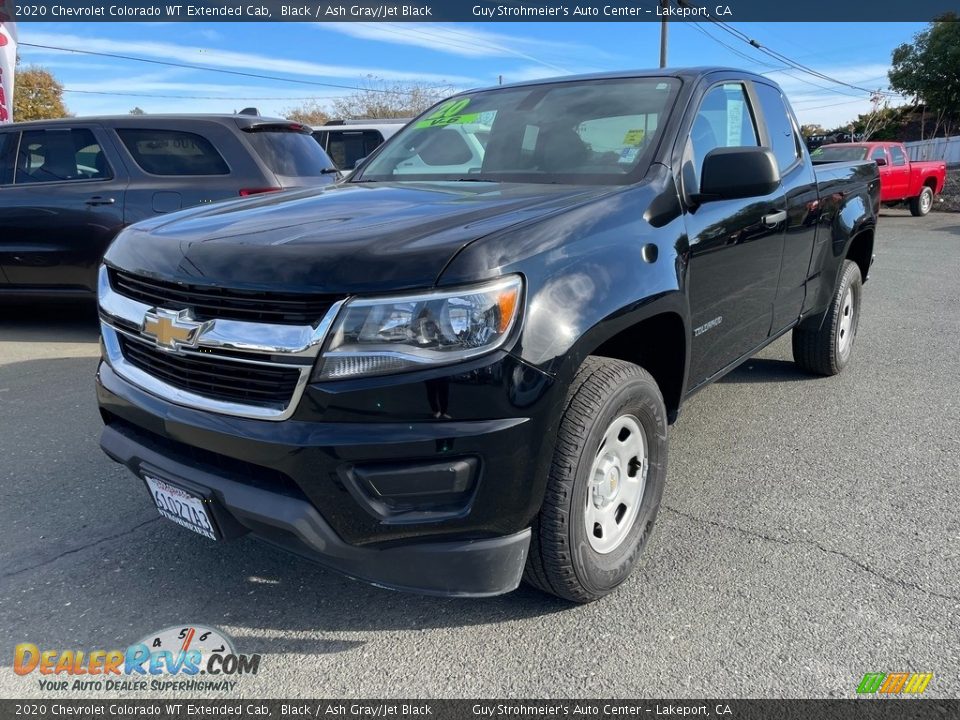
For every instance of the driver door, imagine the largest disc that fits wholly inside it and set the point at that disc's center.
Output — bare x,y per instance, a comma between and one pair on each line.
735,245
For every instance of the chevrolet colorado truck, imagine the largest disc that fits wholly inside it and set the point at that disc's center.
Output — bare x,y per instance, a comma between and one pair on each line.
916,183
449,380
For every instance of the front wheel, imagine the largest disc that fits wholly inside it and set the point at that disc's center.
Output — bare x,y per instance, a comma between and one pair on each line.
605,483
921,204
823,343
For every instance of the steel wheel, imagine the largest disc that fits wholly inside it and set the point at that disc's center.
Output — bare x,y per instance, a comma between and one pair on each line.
617,480
847,327
926,201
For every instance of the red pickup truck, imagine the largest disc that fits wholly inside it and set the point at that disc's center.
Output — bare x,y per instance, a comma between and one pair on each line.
901,180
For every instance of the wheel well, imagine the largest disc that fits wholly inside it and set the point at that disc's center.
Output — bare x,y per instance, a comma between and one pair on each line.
658,345
931,183
861,251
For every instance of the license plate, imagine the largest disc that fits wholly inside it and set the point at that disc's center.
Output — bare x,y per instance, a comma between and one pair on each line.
182,507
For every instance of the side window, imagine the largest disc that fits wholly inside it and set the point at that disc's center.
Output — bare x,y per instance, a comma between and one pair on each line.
172,152
782,140
8,146
348,146
897,154
878,154
723,120
59,155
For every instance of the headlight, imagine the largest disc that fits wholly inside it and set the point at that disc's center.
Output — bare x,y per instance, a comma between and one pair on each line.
375,336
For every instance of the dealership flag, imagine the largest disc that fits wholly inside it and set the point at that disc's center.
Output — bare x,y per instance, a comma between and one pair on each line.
8,59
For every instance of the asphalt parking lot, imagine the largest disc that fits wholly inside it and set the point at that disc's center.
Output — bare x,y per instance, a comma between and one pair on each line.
810,533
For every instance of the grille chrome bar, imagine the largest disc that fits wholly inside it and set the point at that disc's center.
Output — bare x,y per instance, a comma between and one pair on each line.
235,349
254,337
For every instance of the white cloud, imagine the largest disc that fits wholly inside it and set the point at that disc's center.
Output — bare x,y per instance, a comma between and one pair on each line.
246,62
471,42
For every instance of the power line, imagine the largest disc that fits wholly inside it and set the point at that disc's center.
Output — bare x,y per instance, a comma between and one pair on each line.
199,97
770,52
204,68
780,57
735,51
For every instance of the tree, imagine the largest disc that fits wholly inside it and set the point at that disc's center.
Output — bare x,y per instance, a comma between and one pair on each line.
880,119
309,113
138,111
38,95
812,129
380,99
928,70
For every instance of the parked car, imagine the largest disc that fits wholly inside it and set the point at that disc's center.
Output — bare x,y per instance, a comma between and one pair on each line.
68,186
349,141
446,381
901,180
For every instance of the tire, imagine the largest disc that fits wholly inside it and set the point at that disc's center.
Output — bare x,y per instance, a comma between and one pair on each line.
921,204
823,344
612,486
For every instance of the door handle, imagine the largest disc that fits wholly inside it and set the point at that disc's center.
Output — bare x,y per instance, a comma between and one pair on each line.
774,219
98,200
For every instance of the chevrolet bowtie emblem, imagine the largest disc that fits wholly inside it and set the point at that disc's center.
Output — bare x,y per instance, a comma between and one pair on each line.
172,329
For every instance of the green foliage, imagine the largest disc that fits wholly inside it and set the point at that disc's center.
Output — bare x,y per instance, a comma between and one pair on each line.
928,69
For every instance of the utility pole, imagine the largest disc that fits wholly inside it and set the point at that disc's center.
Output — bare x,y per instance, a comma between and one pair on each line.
665,6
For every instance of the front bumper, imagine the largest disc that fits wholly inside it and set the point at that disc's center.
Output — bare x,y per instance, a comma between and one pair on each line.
474,568
290,482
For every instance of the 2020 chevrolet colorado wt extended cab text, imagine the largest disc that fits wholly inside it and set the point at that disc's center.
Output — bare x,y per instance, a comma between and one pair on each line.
450,379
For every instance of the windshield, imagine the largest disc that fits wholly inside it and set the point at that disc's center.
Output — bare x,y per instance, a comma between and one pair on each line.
596,131
839,153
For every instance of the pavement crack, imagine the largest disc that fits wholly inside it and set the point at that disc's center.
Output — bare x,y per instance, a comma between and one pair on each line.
80,548
903,584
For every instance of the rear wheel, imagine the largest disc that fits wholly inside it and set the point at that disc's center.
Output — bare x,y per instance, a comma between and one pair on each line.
823,343
605,483
921,204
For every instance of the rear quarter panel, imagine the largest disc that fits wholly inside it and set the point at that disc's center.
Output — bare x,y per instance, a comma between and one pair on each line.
849,204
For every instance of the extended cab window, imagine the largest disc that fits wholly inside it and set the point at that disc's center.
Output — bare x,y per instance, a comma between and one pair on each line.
782,139
59,155
878,154
172,152
600,132
723,120
897,154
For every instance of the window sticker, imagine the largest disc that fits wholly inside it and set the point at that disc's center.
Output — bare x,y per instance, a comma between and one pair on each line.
449,113
734,121
633,138
628,155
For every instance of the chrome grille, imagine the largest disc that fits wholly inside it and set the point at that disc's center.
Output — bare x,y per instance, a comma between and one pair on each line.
219,363
216,377
210,302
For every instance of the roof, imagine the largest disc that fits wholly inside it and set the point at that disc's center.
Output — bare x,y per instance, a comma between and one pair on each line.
243,120
683,73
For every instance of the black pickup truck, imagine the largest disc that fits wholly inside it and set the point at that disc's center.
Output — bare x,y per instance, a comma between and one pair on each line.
456,369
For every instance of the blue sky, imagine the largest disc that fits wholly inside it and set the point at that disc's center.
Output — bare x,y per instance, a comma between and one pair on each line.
459,54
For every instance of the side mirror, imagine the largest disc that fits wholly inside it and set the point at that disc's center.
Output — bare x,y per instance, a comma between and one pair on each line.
881,161
738,172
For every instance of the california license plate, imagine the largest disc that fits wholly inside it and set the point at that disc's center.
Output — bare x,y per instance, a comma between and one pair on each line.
182,507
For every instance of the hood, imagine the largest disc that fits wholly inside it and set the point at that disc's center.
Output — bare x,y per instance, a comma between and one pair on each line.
343,239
